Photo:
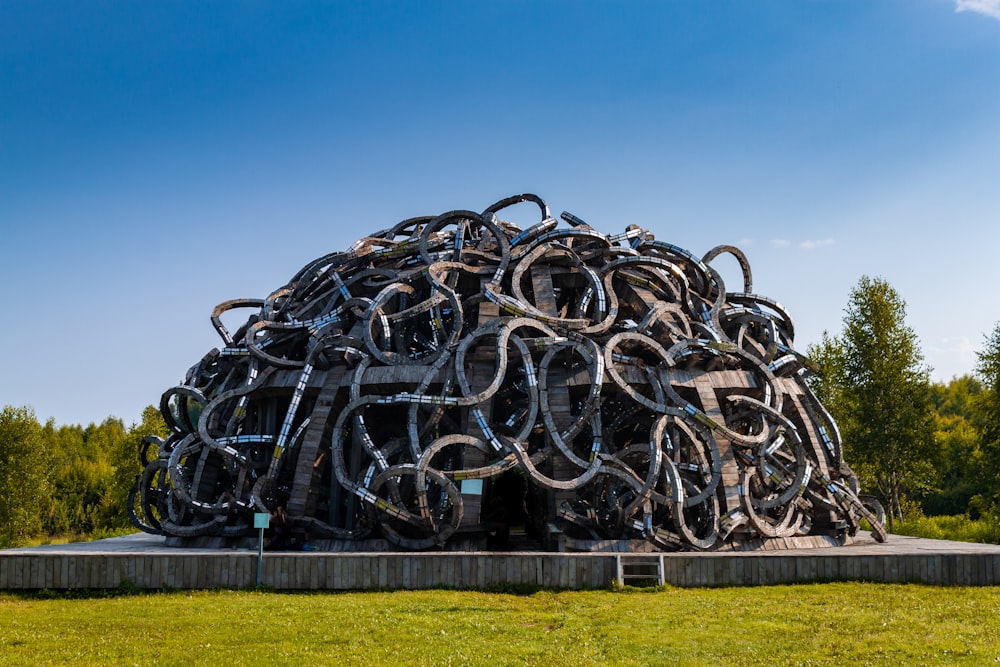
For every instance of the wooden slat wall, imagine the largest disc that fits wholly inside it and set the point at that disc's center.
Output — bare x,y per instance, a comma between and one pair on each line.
354,571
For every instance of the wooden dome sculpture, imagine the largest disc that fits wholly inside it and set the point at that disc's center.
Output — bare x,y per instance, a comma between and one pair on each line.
387,391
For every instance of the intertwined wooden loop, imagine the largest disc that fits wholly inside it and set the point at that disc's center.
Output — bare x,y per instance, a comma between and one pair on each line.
387,389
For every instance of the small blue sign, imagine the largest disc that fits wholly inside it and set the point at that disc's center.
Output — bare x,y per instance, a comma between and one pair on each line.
261,519
472,487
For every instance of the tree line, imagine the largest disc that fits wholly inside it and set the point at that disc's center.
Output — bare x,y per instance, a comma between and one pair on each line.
67,480
922,448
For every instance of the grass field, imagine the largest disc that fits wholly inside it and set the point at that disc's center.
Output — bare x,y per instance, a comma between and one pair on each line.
961,528
818,624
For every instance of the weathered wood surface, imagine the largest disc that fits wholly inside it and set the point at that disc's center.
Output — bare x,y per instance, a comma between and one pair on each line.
636,396
143,561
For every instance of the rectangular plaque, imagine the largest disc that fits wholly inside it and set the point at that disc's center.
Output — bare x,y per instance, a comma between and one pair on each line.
472,487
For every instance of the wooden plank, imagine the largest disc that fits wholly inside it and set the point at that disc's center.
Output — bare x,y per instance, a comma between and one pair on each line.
541,285
184,572
213,571
757,571
44,573
422,574
36,573
100,576
86,568
357,572
436,577
972,565
293,569
383,572
304,565
302,500
18,579
339,572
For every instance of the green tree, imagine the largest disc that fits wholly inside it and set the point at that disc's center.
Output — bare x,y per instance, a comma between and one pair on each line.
827,358
82,476
125,458
23,475
959,457
987,413
878,388
956,397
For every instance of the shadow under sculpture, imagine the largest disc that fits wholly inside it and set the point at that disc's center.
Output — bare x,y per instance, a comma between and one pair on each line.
386,392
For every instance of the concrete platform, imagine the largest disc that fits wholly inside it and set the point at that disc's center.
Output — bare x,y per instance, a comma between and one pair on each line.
146,562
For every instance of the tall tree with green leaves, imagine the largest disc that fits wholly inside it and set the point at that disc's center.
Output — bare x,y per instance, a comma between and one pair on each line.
987,412
81,475
959,455
878,388
125,457
24,466
827,359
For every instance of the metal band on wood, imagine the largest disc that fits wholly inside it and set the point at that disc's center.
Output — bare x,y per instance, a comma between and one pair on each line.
386,389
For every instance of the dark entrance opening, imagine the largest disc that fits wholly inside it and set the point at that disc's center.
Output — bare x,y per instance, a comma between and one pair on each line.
506,509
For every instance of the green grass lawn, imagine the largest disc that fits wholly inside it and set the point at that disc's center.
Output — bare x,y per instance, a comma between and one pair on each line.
822,624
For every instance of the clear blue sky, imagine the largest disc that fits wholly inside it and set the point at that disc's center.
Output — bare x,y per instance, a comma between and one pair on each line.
158,158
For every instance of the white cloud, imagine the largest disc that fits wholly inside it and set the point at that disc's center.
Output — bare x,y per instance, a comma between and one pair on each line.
951,357
780,243
811,245
744,242
988,7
